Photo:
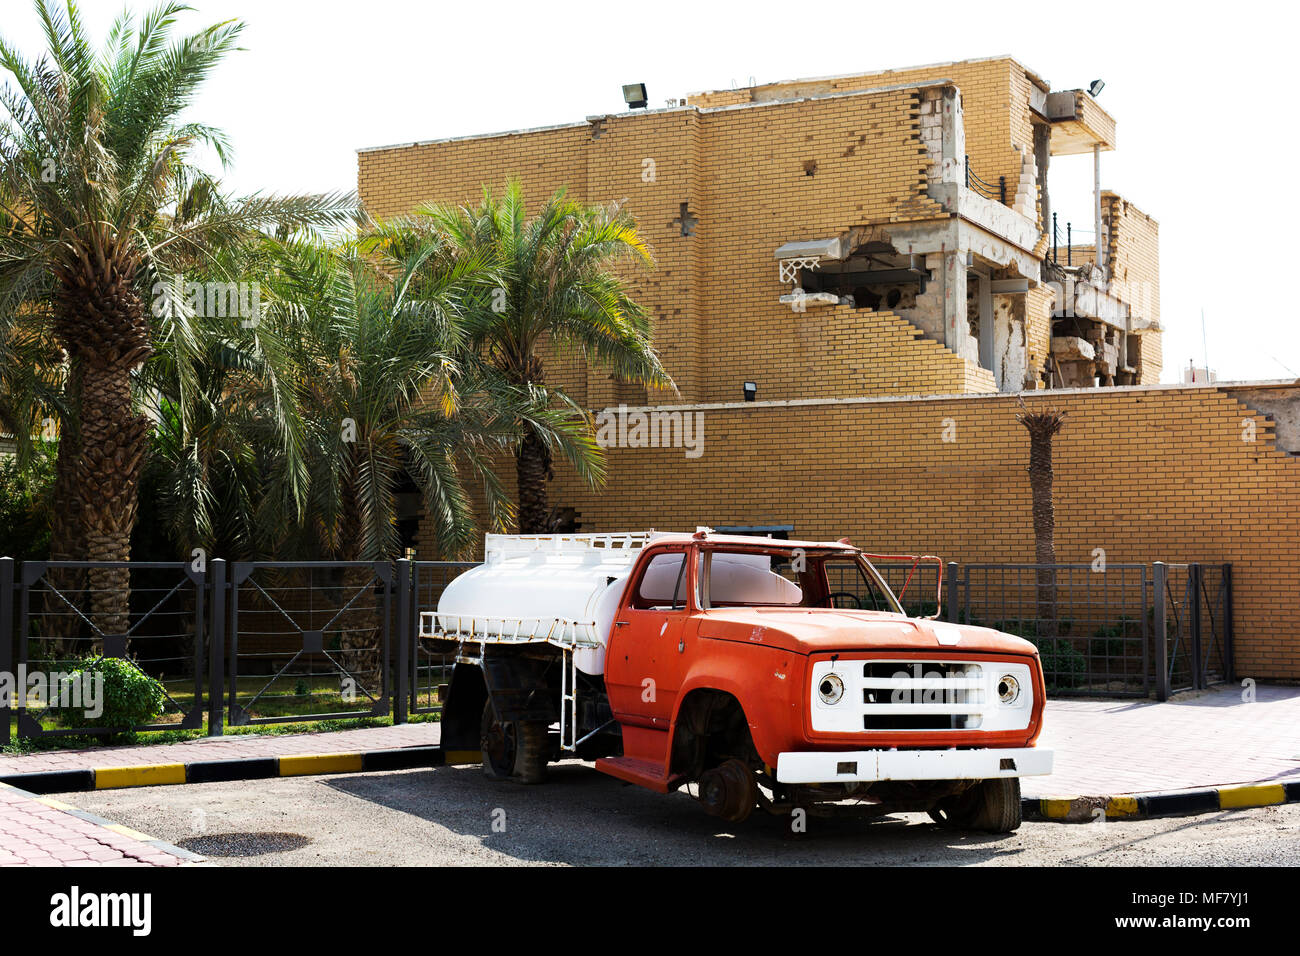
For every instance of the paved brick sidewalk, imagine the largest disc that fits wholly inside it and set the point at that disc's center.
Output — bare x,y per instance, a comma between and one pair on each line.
1103,747
225,748
1107,747
44,832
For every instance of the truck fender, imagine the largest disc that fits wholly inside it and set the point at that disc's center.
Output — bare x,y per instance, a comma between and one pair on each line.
763,731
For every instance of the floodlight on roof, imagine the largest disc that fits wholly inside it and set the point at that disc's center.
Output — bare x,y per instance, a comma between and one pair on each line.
1096,87
634,95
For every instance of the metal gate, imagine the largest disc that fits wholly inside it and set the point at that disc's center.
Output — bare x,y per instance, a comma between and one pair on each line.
63,621
1193,626
308,640
428,669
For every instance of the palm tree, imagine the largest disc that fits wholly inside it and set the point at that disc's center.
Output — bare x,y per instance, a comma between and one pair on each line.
551,283
375,332
91,152
1042,427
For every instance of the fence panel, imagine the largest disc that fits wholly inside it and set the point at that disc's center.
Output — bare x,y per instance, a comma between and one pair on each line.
428,669
1090,625
151,614
309,640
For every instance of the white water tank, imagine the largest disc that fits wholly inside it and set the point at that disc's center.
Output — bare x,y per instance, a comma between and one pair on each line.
570,577
581,578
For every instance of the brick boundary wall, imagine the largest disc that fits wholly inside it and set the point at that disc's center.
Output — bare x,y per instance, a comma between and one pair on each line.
1149,473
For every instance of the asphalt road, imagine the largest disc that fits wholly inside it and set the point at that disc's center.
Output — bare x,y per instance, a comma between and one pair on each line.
455,816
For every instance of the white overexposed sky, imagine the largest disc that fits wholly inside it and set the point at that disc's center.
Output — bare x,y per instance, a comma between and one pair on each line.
1199,92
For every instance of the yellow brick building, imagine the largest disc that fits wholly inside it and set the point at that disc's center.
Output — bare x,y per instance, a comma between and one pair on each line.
876,253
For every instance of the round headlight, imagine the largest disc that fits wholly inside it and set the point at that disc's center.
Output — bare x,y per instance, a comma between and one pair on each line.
830,689
1008,689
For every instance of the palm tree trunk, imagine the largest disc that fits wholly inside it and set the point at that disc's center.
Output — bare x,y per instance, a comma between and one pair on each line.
108,483
532,470
103,326
59,622
1042,428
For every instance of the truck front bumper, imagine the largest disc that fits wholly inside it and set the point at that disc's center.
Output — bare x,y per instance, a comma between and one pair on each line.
871,765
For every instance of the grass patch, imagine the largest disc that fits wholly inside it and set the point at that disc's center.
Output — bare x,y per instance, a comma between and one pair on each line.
78,742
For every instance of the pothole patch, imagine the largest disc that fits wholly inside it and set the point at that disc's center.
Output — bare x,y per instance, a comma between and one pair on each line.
243,844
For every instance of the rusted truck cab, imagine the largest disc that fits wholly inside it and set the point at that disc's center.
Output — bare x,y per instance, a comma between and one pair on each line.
772,674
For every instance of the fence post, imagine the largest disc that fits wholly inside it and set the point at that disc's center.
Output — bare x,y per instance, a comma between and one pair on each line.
1159,577
216,650
953,614
6,640
404,641
1194,612
1228,673
1002,189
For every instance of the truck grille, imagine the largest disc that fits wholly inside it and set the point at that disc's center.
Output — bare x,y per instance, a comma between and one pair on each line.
922,695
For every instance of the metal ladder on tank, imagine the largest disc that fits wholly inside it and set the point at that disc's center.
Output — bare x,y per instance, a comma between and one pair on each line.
568,697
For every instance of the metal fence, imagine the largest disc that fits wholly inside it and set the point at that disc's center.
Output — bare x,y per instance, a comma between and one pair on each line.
429,670
67,613
309,640
1091,626
272,642
1109,630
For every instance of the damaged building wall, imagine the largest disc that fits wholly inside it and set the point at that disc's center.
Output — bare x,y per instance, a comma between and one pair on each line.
715,189
1133,258
995,98
1011,341
1040,302
1281,403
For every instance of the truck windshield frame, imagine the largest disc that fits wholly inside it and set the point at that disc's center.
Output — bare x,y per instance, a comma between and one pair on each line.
815,572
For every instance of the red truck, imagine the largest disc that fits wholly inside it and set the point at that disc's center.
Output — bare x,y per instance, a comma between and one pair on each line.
756,672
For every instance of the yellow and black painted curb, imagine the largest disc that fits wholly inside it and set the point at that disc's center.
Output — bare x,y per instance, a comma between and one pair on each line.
1173,803
243,768
118,828
1079,809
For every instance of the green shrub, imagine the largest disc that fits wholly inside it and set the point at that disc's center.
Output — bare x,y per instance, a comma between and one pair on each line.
130,697
1064,666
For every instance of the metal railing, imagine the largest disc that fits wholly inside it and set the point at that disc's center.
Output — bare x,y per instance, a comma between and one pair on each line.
986,189
1054,254
272,642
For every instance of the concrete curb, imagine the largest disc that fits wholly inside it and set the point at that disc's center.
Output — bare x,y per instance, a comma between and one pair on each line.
1172,803
1079,809
218,771
120,829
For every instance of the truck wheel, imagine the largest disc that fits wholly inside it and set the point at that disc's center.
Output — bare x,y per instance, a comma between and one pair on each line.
729,790
990,805
513,750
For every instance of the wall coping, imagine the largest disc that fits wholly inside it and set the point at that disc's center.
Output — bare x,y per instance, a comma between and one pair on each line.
962,396
922,85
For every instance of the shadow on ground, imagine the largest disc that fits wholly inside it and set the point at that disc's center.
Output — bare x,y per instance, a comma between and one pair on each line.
580,816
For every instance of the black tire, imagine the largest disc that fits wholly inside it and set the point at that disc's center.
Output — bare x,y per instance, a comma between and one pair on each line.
991,805
516,750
